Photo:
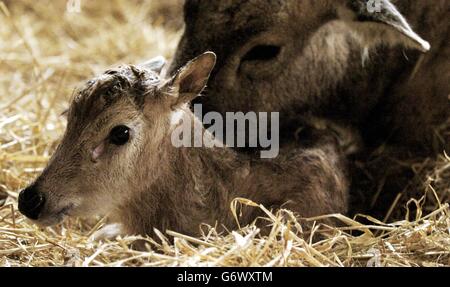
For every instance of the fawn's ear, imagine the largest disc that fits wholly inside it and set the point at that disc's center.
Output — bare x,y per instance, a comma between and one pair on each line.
379,21
65,114
190,80
155,65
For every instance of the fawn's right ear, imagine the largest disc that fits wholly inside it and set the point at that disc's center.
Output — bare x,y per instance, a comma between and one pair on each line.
190,80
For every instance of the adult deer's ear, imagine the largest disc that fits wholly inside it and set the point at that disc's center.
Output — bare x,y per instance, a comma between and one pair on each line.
155,65
190,80
379,21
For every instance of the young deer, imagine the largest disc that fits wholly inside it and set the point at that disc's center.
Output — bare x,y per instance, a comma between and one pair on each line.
117,158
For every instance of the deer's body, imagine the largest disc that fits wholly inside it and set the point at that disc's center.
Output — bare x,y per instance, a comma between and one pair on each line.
197,185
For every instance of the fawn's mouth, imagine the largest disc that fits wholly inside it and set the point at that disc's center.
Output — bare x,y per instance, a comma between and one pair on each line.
65,211
51,219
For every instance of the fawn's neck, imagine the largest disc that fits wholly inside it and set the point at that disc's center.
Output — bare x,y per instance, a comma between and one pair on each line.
192,186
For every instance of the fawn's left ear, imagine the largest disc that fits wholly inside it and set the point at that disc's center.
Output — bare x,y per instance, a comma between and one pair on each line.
379,21
190,80
65,114
155,65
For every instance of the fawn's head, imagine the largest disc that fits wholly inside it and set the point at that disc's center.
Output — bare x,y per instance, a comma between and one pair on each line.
114,141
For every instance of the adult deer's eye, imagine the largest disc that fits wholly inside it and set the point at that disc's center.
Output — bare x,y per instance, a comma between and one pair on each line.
119,135
262,53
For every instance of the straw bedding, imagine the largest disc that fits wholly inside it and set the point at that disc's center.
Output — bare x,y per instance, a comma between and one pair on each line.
45,51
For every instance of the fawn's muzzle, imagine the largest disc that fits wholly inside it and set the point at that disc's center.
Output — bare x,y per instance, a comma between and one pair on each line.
31,202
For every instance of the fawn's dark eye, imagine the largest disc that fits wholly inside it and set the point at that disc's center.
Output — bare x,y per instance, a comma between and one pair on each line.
119,135
262,53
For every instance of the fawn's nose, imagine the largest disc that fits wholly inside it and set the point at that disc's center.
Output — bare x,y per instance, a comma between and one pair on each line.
31,202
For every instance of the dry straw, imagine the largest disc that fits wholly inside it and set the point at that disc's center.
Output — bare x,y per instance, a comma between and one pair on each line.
45,51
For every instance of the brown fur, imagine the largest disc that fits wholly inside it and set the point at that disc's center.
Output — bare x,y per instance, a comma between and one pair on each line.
353,71
148,183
